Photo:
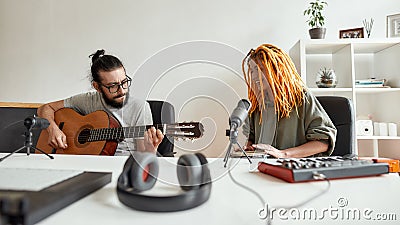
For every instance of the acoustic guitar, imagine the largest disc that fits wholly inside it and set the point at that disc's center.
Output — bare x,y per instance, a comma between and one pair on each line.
98,133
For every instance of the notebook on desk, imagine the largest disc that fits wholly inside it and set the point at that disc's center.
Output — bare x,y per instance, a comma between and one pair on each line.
27,196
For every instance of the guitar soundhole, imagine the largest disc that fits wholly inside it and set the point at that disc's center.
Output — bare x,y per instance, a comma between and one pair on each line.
83,136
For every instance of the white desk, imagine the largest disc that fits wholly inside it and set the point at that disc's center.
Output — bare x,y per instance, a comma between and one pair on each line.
228,204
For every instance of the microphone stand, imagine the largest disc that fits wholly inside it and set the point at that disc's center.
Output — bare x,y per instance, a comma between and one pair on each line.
27,146
232,141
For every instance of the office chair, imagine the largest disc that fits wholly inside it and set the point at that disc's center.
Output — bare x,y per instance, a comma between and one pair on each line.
163,113
340,111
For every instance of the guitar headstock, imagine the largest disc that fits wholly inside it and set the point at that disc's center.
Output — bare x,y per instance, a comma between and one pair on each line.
191,130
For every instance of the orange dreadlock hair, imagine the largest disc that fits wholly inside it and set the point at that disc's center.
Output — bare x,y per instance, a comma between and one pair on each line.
280,72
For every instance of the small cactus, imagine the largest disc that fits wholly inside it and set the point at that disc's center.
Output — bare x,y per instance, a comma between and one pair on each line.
326,74
326,78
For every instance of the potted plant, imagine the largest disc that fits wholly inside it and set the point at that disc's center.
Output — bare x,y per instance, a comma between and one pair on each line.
316,20
326,78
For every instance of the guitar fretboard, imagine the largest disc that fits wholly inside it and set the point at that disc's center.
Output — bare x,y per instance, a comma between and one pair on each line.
119,133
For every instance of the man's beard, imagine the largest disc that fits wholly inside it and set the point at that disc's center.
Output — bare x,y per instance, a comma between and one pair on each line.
112,102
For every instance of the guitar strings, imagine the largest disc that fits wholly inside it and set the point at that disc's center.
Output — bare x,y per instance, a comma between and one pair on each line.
115,133
120,133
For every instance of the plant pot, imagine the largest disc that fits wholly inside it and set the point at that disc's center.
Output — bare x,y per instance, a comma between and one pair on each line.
317,33
327,84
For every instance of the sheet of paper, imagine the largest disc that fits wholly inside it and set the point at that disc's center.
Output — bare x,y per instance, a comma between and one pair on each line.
24,179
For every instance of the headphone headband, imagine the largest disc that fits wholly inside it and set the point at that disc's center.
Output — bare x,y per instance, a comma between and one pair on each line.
184,201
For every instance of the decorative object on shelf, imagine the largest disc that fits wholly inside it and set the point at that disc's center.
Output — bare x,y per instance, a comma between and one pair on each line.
326,78
368,26
376,128
385,129
392,129
393,25
364,128
352,33
316,20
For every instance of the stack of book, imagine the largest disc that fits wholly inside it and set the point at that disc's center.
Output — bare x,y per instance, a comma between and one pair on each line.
370,83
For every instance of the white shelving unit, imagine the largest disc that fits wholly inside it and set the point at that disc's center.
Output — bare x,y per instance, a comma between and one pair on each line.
354,59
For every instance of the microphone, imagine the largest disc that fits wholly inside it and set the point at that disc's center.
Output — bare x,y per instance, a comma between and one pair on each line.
36,122
239,114
237,118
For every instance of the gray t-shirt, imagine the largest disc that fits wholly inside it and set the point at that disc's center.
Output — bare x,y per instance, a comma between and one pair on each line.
135,112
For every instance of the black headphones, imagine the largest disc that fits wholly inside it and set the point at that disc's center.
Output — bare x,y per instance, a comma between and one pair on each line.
140,173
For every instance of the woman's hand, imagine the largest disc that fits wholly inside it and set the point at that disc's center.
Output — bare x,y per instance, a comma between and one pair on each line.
248,146
269,149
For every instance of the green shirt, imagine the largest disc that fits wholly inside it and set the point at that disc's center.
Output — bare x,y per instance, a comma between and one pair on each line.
310,122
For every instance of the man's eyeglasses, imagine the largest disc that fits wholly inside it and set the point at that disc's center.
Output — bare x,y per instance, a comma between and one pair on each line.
125,84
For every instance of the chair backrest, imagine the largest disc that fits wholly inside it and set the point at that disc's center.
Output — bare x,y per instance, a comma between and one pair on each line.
163,113
12,128
340,111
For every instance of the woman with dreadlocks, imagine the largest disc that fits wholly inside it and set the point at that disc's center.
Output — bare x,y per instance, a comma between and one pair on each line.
285,119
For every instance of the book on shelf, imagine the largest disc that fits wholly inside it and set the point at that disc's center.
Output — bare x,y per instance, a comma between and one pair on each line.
370,83
371,86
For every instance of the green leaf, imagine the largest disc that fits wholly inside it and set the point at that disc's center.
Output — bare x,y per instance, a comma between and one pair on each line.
314,11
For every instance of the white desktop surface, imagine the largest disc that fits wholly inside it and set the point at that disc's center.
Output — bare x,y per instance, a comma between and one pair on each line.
228,204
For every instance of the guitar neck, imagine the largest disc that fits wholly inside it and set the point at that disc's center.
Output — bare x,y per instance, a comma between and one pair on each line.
121,133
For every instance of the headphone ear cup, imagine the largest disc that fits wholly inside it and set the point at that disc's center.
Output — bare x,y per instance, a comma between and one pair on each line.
189,172
124,178
206,175
144,171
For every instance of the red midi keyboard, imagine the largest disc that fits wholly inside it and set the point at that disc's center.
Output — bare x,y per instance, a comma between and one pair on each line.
311,169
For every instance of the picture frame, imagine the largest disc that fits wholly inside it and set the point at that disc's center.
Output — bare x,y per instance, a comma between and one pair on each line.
393,25
352,33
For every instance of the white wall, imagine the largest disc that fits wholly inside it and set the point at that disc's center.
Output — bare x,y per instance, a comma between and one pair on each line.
44,47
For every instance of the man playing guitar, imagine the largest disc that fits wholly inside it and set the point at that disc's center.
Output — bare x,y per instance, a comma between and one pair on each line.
112,84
